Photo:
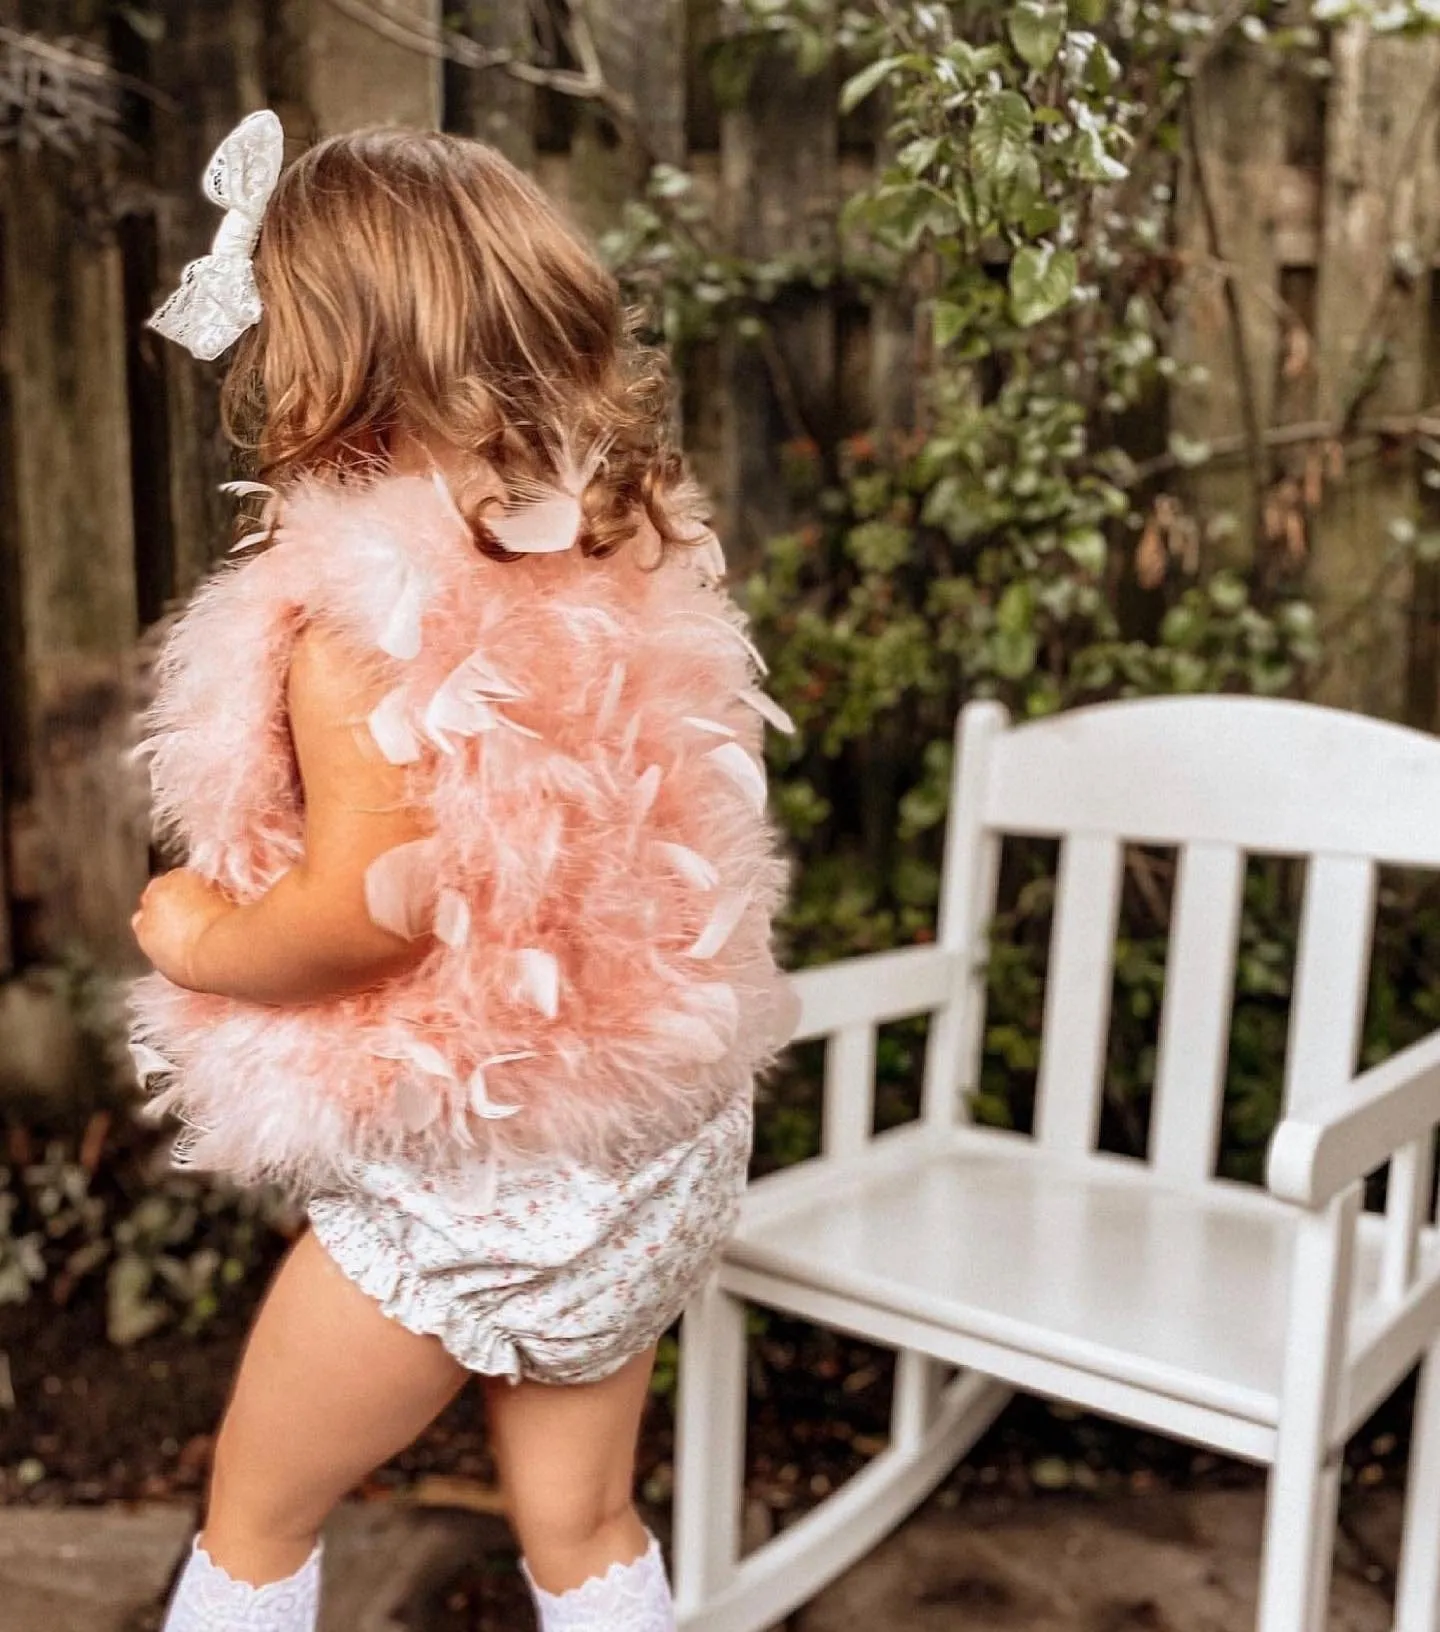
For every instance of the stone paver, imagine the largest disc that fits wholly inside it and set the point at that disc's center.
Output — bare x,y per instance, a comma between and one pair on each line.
106,1569
85,1569
1156,1563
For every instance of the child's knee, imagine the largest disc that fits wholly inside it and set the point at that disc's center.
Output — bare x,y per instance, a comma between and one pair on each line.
566,1520
249,1495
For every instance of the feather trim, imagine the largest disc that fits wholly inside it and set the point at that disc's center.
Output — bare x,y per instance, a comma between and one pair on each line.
390,725
742,770
585,858
724,921
538,980
400,889
768,709
544,518
690,864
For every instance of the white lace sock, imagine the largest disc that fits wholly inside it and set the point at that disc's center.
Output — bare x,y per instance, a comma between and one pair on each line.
627,1598
208,1600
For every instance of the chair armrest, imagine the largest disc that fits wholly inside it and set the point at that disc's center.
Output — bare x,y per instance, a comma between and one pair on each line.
873,990
1347,1133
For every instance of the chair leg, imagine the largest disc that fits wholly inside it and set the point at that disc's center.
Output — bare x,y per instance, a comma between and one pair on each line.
1304,1494
1301,1508
1417,1593
709,1447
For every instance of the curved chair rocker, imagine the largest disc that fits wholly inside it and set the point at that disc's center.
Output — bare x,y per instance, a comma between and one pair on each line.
1264,1323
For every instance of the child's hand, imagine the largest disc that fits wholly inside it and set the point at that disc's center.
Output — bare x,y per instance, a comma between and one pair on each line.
175,911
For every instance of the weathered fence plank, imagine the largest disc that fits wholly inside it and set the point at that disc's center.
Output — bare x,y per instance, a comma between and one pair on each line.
491,103
77,839
216,53
1226,304
371,63
638,49
1378,236
779,167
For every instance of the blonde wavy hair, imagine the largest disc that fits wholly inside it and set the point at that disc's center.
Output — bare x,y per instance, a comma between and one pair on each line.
416,283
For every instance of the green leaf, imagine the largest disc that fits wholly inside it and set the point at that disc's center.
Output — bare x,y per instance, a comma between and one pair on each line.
1086,548
1015,614
1037,28
1003,128
1189,452
1042,280
879,546
1014,654
866,83
949,319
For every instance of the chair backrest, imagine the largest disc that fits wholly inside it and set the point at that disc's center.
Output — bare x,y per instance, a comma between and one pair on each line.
1218,778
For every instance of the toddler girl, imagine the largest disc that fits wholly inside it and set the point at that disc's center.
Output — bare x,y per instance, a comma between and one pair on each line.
472,948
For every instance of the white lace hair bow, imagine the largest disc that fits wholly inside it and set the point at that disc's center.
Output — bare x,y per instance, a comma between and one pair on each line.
218,299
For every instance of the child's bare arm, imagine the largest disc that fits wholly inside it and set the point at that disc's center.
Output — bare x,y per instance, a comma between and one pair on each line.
311,937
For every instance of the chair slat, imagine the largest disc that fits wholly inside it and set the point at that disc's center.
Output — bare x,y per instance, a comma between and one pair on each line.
1195,1025
971,881
1077,995
849,1090
1331,975
1407,1210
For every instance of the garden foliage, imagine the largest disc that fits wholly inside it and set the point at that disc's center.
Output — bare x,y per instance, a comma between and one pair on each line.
1012,543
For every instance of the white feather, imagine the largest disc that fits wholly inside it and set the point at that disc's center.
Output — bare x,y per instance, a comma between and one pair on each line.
738,635
538,980
610,698
712,727
712,558
544,517
392,730
400,888
149,1062
418,1105
734,762
690,864
705,1026
465,716
465,701
647,789
473,1193
425,1057
769,710
246,490
541,527
442,487
729,910
481,1102
452,918
581,621
515,725
400,632
250,540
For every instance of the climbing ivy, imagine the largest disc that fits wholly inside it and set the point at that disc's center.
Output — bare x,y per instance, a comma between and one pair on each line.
1012,543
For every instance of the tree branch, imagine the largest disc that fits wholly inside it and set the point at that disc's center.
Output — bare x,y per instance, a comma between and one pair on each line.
447,44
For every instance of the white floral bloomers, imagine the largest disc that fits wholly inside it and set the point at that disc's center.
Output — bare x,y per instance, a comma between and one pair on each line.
554,1273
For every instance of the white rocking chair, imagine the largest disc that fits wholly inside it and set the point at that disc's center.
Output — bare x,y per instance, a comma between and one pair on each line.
1263,1323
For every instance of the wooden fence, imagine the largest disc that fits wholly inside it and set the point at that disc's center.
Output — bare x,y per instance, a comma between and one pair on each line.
1310,214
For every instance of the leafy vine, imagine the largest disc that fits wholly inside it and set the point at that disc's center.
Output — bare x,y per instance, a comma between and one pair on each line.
1026,539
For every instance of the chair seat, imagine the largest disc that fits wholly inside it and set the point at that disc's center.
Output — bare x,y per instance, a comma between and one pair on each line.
1089,1263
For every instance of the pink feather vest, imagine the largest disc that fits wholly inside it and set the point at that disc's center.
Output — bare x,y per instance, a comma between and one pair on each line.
584,737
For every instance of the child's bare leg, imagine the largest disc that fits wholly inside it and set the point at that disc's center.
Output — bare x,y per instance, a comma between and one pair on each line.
329,1388
566,1458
